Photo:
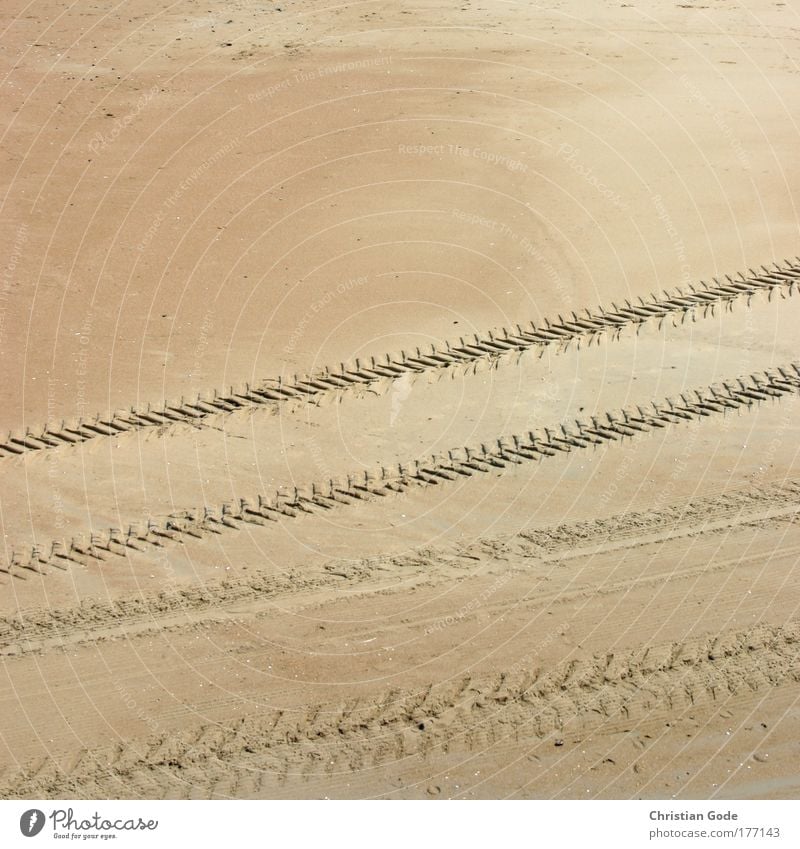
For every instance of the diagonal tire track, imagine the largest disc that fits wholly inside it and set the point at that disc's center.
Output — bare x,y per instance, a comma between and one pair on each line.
38,629
741,393
490,346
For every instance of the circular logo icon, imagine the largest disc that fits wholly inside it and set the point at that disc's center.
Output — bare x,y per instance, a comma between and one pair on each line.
31,822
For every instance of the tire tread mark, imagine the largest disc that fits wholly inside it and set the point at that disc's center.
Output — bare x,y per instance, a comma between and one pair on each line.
603,694
491,346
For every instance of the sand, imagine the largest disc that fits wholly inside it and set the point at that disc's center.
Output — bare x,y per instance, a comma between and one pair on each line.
400,402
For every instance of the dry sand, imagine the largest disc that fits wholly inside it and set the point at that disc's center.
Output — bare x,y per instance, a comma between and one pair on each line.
202,203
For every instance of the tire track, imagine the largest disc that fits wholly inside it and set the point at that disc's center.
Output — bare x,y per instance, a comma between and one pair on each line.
651,525
40,629
741,393
491,346
605,693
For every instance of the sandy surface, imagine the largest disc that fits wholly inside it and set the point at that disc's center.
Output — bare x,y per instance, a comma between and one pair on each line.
199,201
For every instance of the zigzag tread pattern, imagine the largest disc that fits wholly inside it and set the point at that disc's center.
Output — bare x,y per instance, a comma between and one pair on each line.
589,324
742,393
